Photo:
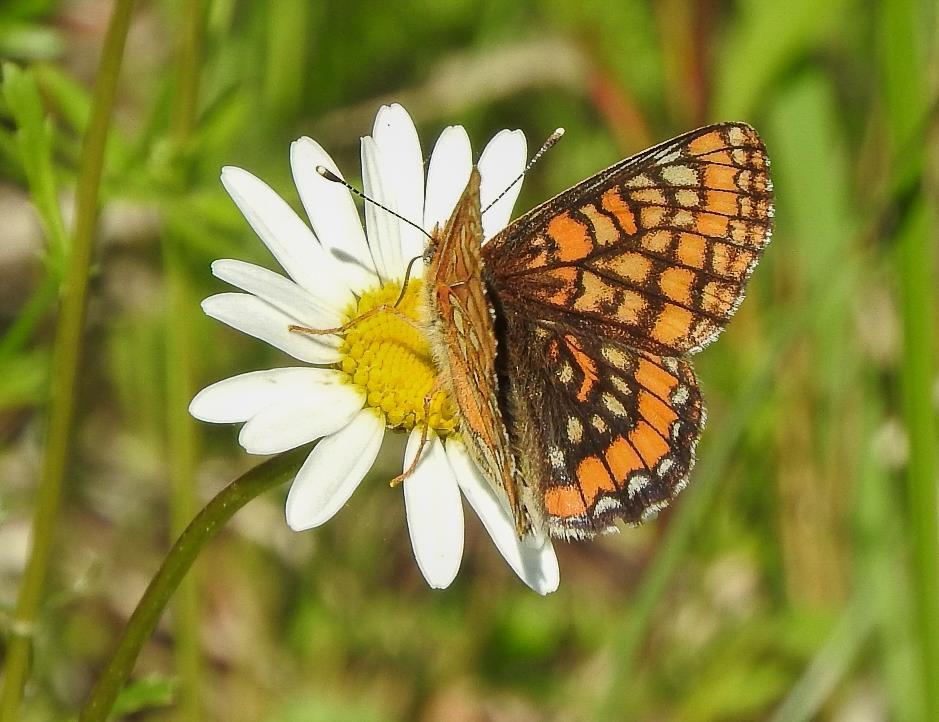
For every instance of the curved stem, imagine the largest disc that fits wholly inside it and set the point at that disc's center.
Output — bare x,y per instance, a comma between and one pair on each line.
65,364
180,558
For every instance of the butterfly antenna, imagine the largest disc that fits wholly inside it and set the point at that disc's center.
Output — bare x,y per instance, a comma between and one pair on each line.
545,147
332,177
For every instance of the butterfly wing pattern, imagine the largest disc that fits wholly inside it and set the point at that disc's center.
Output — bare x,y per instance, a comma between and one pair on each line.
599,294
464,343
563,341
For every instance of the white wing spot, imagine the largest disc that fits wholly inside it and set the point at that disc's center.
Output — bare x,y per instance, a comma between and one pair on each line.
680,175
614,405
620,384
652,511
680,395
640,181
575,430
687,198
615,356
607,503
683,219
637,483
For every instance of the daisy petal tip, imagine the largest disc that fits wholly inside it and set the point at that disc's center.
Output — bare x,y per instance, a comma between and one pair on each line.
302,145
293,517
196,409
299,521
232,174
220,265
439,583
208,305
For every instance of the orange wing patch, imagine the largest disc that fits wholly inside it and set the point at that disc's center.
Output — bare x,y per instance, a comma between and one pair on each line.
571,237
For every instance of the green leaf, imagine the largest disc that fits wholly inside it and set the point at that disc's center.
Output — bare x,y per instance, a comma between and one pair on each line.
143,694
24,379
67,98
34,136
29,41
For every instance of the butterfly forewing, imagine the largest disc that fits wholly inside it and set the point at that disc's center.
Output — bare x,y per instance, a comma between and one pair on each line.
654,251
464,342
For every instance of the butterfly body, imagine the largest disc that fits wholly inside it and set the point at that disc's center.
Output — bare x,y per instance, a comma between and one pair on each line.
564,339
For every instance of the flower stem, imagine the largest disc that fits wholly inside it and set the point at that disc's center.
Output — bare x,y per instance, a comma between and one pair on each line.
182,434
65,365
180,558
916,261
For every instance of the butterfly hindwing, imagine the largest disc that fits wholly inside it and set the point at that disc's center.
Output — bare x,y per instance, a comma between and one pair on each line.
607,432
654,251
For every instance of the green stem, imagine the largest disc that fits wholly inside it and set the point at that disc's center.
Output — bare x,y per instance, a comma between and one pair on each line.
916,262
180,558
65,365
182,434
189,58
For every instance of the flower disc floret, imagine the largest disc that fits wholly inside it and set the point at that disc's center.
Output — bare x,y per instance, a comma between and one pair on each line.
390,360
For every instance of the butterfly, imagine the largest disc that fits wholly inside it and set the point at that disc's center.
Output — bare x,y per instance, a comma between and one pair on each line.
565,340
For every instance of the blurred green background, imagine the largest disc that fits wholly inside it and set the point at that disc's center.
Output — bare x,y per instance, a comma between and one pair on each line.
792,581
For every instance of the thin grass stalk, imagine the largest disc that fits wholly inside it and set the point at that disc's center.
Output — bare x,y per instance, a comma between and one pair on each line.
65,366
916,261
182,433
906,98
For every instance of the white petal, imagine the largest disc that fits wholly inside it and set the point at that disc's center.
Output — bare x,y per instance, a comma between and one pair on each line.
403,164
310,413
533,560
332,213
333,470
435,512
250,315
288,238
500,164
238,398
279,292
384,230
447,175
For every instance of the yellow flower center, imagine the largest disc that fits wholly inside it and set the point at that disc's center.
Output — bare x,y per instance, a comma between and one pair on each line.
390,359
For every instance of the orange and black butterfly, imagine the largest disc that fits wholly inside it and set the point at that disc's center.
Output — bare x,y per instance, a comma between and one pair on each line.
564,340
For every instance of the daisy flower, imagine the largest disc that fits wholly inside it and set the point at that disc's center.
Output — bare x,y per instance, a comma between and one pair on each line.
373,377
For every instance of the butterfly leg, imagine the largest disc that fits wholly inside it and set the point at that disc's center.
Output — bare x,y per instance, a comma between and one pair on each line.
383,308
428,398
